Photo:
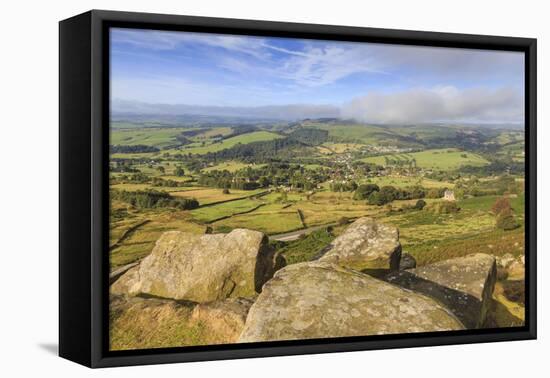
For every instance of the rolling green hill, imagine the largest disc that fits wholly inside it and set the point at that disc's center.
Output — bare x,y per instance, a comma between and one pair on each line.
439,159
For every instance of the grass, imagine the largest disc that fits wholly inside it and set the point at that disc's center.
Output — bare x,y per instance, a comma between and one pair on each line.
140,243
438,159
256,136
404,181
270,221
161,324
135,187
156,137
231,166
340,148
329,207
209,214
509,137
306,248
211,195
364,134
214,132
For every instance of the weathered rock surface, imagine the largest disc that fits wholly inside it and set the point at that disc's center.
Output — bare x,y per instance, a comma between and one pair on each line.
511,267
464,285
203,268
319,299
366,245
117,273
407,261
125,282
224,319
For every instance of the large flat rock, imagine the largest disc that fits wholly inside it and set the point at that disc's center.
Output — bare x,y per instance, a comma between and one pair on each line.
365,245
464,285
202,268
319,299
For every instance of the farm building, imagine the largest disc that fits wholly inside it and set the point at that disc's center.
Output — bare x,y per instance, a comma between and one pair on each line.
449,195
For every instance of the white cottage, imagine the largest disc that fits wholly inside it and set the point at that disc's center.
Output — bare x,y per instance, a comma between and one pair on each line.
449,195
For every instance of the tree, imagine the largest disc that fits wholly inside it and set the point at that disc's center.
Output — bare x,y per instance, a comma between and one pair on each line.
420,204
446,207
160,169
389,193
378,199
364,191
179,172
435,193
264,182
501,204
506,220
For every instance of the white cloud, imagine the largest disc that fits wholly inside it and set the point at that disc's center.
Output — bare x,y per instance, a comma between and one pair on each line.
438,104
165,40
321,65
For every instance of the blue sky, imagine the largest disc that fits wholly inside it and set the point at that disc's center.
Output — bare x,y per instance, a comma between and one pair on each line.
371,82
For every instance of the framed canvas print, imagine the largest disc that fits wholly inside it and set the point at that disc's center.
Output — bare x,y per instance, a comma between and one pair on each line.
233,188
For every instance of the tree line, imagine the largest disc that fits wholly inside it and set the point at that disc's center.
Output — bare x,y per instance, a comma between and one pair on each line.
147,199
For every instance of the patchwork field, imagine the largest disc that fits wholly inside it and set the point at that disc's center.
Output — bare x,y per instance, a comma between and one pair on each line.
207,196
437,159
156,137
303,199
257,136
404,181
230,166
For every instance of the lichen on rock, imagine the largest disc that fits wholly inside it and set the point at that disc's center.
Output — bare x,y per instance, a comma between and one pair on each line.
321,299
364,245
464,285
203,268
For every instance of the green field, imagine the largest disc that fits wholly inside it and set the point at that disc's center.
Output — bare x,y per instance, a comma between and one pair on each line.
212,195
211,213
156,137
196,148
405,181
364,134
270,222
256,136
438,159
305,197
139,243
432,237
230,166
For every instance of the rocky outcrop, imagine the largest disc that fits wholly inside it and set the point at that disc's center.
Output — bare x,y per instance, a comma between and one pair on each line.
407,261
224,319
464,285
203,268
366,245
117,273
124,283
511,267
320,299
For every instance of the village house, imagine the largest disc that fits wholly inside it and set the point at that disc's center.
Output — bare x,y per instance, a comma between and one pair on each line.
449,195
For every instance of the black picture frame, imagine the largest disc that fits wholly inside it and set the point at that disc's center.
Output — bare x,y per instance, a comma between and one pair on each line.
84,205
